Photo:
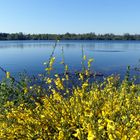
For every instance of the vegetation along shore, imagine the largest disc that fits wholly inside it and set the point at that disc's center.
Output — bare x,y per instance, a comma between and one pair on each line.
68,36
88,110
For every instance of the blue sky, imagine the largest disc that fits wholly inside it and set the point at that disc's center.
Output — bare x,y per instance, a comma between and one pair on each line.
74,16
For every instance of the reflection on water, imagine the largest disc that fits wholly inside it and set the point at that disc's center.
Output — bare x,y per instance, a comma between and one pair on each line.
110,56
107,51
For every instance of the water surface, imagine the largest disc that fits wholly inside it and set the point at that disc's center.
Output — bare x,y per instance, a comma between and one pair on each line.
109,56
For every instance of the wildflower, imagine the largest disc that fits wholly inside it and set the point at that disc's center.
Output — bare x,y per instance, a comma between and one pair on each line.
52,61
31,87
42,116
89,62
110,125
111,137
56,75
67,77
84,57
81,77
59,83
124,137
61,135
49,80
77,134
66,67
91,136
101,127
85,85
7,74
25,90
104,111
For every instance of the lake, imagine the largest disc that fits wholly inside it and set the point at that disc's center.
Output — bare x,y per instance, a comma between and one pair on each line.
109,56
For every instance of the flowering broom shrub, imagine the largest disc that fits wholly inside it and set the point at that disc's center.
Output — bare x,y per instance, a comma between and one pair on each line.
94,111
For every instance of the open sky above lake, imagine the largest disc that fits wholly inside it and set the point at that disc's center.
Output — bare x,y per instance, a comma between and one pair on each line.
74,16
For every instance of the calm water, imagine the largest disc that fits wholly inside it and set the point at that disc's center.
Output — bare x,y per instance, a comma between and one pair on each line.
110,56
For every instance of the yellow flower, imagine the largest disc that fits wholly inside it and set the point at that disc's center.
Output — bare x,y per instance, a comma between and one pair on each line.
25,90
124,137
101,128
67,77
132,139
84,57
77,134
111,137
66,67
7,74
61,135
49,80
91,136
42,116
85,85
89,62
110,125
81,77
56,75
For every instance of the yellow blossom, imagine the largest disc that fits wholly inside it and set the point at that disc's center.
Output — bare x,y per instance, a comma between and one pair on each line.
7,74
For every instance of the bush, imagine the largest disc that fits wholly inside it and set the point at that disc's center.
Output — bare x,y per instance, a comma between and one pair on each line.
89,110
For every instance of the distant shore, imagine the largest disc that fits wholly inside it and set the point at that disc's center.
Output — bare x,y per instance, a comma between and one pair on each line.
68,36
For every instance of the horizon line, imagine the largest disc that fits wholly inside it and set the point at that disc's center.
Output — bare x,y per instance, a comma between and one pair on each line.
71,33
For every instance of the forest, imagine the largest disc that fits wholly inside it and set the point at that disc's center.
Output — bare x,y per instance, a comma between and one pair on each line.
68,36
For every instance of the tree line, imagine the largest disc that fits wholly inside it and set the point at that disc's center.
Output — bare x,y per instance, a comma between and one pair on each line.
68,36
